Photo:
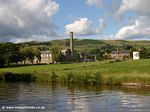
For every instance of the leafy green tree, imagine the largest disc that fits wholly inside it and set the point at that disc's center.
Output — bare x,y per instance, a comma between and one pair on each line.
99,54
75,57
107,48
2,62
55,50
128,47
56,57
10,53
38,54
14,58
62,58
56,53
143,53
29,53
23,55
148,52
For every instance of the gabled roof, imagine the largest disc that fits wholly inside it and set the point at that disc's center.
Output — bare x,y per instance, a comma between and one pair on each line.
88,54
120,52
46,52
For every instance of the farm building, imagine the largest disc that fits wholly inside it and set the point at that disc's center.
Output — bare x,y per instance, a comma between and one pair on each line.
46,57
120,55
87,57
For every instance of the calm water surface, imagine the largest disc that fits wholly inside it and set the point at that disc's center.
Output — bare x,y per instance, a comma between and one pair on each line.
21,97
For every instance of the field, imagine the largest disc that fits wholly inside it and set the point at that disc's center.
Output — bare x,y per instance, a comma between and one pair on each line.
88,44
102,72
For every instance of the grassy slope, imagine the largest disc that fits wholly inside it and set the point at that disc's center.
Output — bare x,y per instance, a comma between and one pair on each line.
88,44
130,71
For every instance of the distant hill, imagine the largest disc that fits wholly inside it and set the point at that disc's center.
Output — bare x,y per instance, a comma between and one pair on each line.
87,44
90,43
125,42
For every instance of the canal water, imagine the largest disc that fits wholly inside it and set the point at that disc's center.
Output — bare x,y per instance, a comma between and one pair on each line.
33,97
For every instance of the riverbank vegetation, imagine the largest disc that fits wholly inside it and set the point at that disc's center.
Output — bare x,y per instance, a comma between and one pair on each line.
101,73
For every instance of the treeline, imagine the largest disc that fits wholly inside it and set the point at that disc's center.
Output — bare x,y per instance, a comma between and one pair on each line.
11,53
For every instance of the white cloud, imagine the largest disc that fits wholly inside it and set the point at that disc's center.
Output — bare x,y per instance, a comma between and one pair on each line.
139,6
97,3
83,26
51,8
139,30
25,18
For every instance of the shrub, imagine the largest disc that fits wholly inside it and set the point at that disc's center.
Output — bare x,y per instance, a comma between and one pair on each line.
53,76
15,77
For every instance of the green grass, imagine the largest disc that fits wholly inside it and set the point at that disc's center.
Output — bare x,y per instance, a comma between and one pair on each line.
89,44
89,73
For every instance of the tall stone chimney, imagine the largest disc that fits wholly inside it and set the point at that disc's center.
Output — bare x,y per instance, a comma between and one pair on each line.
71,42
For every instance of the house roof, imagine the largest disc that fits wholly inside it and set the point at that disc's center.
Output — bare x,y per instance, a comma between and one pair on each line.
88,54
64,50
46,52
120,52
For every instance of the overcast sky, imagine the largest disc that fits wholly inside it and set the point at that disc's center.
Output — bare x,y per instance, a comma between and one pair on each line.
43,20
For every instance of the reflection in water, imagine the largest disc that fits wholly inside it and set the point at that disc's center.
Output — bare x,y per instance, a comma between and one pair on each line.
59,98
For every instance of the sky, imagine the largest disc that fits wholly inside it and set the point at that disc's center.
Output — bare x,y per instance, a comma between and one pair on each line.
44,20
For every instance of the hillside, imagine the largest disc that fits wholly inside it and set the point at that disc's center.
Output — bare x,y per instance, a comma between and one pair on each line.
88,44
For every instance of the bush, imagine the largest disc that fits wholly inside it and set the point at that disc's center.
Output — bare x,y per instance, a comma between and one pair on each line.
2,62
53,76
15,77
1,78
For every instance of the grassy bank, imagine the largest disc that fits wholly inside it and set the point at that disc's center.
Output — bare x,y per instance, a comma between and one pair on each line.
88,73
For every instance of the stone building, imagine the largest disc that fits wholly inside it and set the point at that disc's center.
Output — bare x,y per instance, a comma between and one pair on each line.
46,57
87,57
66,52
120,55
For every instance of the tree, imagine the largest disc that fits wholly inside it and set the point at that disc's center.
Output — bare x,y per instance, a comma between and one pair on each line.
10,53
38,54
56,54
143,52
29,53
2,62
62,58
107,48
23,55
99,54
14,57
128,47
75,57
